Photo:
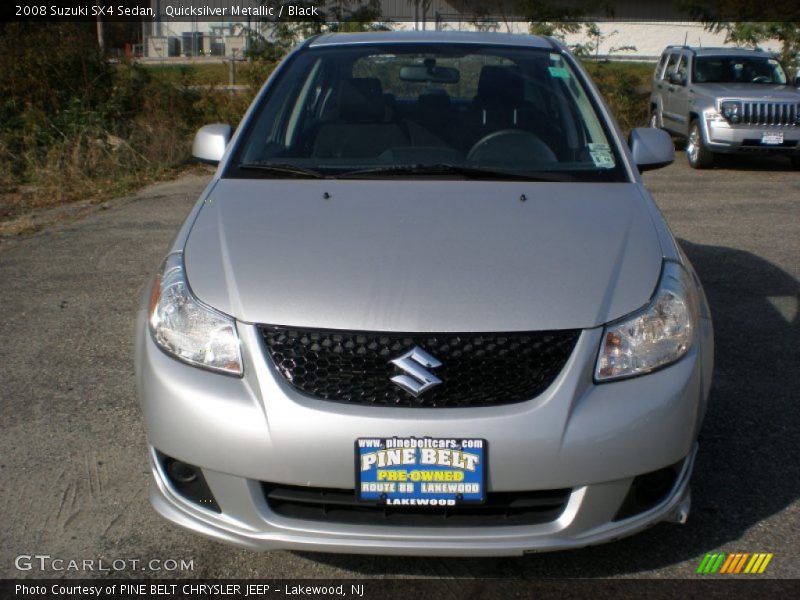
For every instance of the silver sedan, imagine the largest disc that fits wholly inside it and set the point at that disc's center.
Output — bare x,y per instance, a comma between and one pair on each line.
425,306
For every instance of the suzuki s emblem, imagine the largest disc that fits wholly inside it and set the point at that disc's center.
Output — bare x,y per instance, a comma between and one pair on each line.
417,378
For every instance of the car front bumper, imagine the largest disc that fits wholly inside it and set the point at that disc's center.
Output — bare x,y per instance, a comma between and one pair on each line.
592,439
724,138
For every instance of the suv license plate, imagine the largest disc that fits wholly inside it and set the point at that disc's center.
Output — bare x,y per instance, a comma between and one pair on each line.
414,472
772,139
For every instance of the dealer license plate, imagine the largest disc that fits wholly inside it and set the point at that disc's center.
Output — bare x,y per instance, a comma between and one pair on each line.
436,472
770,138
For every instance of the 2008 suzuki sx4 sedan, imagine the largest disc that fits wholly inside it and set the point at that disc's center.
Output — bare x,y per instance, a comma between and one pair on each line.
425,306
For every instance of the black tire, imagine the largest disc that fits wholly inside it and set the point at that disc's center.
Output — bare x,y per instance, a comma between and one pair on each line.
700,157
795,162
653,122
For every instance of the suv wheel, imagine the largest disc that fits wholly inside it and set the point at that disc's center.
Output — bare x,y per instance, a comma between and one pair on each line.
795,162
700,157
654,118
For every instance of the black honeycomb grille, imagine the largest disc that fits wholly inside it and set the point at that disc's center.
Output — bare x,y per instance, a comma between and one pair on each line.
483,369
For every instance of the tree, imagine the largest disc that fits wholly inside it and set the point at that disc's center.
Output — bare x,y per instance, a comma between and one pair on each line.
272,38
708,11
545,17
559,20
554,12
421,8
753,34
745,22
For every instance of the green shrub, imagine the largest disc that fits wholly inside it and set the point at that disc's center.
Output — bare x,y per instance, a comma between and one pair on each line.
625,86
74,126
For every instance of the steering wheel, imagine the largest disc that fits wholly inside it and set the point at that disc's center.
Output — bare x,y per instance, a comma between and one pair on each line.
761,79
500,146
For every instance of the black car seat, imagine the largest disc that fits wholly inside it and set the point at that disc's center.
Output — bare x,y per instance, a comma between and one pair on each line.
499,98
500,104
363,125
434,119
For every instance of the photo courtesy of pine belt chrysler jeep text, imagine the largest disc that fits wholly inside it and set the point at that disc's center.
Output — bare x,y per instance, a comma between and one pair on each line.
425,306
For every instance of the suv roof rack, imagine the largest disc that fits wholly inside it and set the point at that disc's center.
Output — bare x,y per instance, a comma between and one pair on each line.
682,47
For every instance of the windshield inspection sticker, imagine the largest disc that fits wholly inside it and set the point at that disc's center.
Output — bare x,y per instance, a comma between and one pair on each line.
421,471
558,72
601,156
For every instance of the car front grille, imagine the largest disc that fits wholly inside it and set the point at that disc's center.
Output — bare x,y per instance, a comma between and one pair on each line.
342,506
783,114
478,369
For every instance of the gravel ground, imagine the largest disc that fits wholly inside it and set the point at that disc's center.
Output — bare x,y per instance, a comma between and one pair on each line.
73,466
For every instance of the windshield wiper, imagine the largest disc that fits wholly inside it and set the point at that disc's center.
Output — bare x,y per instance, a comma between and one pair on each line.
286,169
452,169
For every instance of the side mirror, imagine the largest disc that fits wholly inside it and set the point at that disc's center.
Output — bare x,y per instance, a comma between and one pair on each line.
675,78
651,148
210,143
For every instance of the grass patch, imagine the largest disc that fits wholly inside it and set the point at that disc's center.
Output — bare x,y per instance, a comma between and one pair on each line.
211,74
74,127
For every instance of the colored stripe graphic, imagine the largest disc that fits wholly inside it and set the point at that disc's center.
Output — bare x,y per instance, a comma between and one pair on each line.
755,562
730,564
717,563
711,563
734,563
727,564
740,564
764,564
703,563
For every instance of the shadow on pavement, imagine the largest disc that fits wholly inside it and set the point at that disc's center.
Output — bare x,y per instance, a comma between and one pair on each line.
743,162
747,469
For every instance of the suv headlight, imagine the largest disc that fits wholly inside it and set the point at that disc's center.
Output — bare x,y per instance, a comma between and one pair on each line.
731,110
187,329
654,337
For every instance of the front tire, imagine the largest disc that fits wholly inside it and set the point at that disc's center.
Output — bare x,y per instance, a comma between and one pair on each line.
654,118
700,157
795,162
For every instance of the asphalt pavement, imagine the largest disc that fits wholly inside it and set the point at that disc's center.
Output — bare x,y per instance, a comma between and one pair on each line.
73,463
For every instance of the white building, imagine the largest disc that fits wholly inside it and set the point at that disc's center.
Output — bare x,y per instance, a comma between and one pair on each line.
226,35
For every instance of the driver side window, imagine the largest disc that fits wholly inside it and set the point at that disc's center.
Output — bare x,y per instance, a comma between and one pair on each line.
659,72
682,69
671,64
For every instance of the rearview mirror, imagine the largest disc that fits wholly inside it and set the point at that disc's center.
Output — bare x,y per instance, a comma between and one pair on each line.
210,143
651,148
434,74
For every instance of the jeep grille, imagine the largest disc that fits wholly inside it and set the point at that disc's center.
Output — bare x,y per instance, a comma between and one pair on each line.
782,114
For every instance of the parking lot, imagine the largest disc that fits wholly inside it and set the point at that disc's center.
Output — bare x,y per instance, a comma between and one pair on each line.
73,464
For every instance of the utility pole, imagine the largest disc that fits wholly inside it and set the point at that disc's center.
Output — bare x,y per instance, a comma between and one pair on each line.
101,43
232,73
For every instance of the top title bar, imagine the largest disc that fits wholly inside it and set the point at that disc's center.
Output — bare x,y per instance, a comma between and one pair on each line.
475,11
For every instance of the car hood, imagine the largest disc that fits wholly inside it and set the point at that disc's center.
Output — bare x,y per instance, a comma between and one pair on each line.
428,256
752,91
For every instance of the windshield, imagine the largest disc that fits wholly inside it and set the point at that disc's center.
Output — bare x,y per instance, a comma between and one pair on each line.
739,69
441,111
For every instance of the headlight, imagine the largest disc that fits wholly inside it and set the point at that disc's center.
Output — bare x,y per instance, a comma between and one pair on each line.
654,337
188,330
731,110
